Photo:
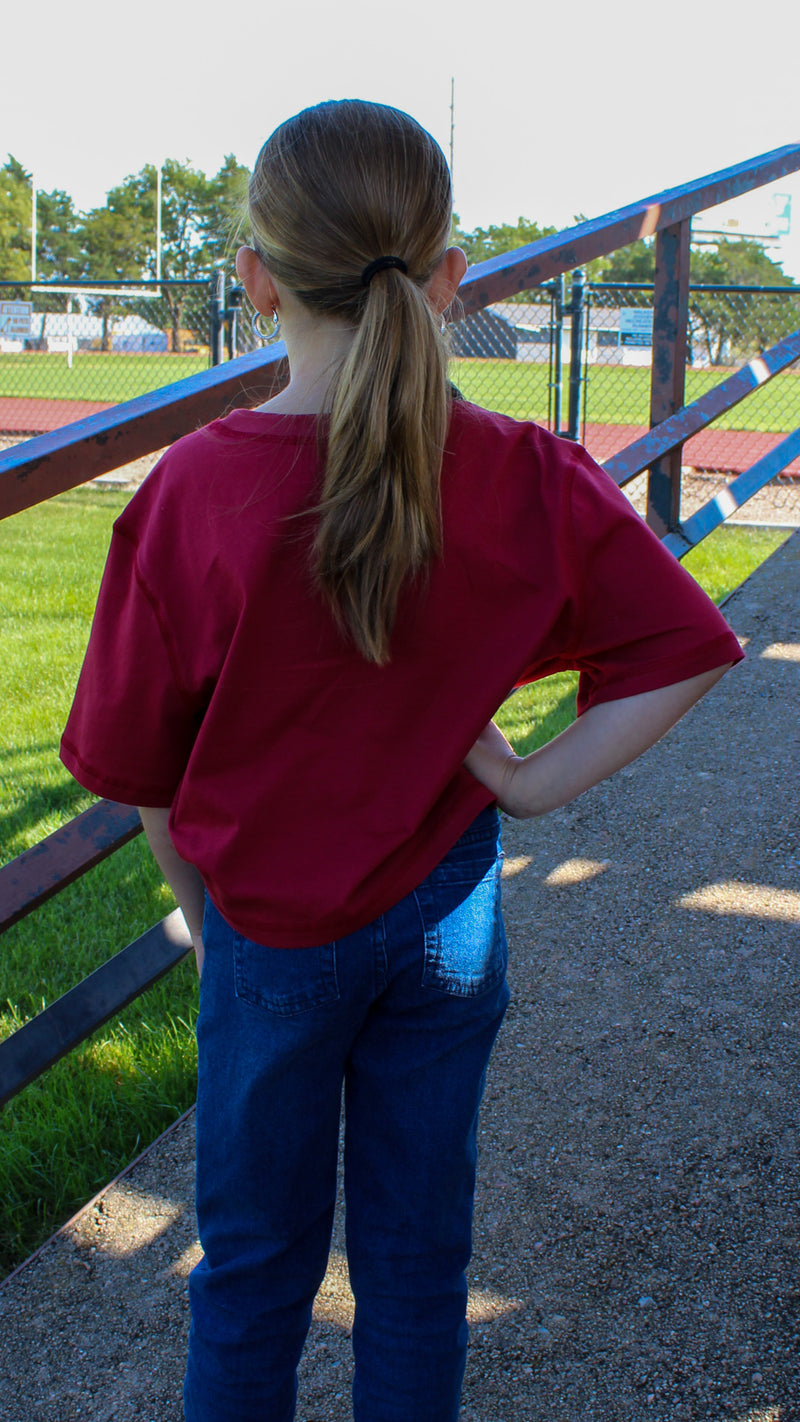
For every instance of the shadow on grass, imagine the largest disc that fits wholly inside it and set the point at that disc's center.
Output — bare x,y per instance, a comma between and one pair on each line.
525,721
43,802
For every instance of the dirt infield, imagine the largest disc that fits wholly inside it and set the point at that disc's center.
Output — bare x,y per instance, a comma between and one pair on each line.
637,1243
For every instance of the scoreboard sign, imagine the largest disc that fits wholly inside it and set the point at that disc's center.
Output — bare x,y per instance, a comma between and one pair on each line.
636,326
15,319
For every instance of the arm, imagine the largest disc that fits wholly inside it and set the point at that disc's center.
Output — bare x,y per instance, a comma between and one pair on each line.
600,742
183,878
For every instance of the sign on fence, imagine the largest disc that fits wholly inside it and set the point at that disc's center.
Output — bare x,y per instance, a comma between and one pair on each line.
636,326
15,318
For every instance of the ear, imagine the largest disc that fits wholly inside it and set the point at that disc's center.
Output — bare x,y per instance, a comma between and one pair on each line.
447,277
256,279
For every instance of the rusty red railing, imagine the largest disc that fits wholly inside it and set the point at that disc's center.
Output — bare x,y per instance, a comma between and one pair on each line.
49,464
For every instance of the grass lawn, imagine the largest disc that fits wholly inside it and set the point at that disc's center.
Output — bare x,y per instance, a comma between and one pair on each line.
67,1134
620,394
94,375
71,1131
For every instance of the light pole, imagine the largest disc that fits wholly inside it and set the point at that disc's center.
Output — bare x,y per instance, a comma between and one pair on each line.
158,223
33,227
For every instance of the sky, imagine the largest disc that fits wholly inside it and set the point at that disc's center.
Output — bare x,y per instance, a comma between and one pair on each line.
559,110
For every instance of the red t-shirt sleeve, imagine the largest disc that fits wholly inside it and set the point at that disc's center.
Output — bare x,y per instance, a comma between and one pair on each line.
642,622
132,726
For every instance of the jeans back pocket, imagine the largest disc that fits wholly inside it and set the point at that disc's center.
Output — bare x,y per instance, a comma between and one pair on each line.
286,981
465,942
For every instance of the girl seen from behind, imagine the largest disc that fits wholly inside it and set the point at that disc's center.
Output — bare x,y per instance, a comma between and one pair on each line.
310,612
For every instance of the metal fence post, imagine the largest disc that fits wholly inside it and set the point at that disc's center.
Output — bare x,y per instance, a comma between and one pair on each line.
670,323
575,355
232,310
216,341
555,389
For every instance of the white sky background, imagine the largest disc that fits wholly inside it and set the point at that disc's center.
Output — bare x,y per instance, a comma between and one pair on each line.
559,109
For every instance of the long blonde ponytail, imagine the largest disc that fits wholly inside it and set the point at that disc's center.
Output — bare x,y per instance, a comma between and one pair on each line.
334,189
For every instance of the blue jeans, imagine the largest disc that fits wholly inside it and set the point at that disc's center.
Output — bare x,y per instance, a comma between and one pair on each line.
404,1013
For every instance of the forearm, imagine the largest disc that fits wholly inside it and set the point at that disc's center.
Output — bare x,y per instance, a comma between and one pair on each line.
597,744
183,878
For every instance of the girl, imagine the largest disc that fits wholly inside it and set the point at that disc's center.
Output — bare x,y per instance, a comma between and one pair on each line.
310,611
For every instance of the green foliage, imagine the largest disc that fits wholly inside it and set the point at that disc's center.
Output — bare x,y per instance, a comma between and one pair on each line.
729,262
200,217
729,327
736,262
493,241
729,330
636,262
113,244
58,247
57,240
225,220
15,221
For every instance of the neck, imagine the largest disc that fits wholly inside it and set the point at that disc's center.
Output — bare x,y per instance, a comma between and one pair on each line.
315,347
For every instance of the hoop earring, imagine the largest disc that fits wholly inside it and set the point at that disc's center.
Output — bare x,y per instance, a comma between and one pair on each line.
267,338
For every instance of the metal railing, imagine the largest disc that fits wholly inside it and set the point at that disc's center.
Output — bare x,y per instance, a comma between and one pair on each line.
63,459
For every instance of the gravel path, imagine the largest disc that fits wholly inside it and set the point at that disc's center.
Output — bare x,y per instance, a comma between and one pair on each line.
637,1235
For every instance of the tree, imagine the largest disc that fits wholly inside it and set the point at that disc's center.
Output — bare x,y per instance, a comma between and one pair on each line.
113,248
199,220
734,326
225,219
202,222
58,246
183,253
494,241
636,262
15,221
731,326
57,243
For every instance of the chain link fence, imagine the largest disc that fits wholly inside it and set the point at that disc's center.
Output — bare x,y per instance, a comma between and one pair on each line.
574,358
503,357
66,352
580,362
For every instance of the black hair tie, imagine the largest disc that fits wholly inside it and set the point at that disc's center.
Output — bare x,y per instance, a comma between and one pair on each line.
380,264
